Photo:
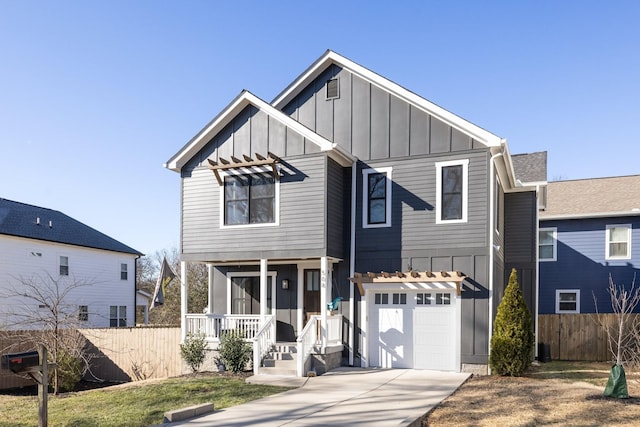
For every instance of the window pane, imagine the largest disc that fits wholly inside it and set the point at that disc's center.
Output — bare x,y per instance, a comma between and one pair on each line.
546,252
451,206
567,306
617,249
113,311
236,187
262,186
377,185
567,296
403,298
385,298
618,234
237,213
427,298
420,299
377,212
262,211
396,298
378,299
545,237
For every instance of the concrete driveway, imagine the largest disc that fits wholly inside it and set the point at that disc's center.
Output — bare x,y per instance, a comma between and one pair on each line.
343,397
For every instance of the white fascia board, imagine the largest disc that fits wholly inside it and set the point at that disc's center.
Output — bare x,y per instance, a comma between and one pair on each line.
232,110
329,57
587,215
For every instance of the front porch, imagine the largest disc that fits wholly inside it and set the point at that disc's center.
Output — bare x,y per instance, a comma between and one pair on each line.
262,334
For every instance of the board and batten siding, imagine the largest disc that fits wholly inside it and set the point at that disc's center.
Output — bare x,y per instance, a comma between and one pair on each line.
338,204
302,217
371,123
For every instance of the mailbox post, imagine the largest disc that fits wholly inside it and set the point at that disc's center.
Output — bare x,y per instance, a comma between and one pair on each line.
35,364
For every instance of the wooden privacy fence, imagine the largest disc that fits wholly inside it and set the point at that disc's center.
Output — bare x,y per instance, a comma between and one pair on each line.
119,354
576,337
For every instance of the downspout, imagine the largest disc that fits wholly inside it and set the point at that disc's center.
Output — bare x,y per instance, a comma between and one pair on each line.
135,291
491,241
352,260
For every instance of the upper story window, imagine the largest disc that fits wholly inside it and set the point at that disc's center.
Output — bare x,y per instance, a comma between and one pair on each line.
250,199
567,300
83,313
124,274
547,244
451,191
376,198
618,241
64,266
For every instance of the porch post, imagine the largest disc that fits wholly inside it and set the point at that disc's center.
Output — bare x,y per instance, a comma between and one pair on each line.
183,300
325,288
210,289
263,290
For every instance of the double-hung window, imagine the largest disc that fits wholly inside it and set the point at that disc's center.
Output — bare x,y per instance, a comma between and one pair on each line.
547,244
124,274
376,198
117,316
567,301
618,241
249,199
451,191
64,266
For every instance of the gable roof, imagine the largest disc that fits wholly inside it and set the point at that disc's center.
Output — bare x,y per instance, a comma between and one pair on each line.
330,57
596,197
530,167
243,100
33,222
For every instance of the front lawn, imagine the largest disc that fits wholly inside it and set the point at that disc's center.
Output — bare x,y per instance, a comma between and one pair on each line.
132,404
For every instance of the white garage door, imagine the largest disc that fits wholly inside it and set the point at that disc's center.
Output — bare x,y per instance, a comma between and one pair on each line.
412,329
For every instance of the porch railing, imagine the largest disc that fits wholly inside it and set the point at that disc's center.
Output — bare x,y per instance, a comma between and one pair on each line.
262,343
213,325
305,342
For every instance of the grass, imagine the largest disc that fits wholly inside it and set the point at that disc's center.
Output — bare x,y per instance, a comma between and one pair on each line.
555,393
134,404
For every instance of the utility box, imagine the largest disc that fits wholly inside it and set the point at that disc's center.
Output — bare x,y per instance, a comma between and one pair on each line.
20,362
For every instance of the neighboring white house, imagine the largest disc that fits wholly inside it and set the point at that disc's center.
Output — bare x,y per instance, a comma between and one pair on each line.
43,247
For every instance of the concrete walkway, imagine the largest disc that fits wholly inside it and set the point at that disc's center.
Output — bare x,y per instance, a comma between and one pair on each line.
343,397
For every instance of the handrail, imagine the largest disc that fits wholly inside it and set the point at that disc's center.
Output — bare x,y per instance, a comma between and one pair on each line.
213,325
305,342
262,342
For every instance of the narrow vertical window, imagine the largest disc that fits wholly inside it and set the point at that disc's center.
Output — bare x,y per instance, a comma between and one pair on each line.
547,245
618,241
83,313
64,266
451,191
123,271
333,89
376,198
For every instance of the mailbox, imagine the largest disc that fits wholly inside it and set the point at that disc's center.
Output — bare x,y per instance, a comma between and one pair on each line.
19,362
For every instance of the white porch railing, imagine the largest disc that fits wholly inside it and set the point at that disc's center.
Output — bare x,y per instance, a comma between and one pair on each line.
213,325
262,343
334,329
305,342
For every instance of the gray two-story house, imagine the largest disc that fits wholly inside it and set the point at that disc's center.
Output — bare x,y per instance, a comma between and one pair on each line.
356,219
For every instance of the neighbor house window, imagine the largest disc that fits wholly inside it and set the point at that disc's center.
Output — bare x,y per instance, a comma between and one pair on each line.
83,313
118,316
123,271
64,266
618,241
567,301
547,244
250,199
376,198
451,191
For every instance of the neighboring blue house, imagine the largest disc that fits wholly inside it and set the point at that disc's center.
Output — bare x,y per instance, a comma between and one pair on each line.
589,230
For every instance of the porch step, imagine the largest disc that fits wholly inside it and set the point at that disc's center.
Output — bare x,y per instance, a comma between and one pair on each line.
281,360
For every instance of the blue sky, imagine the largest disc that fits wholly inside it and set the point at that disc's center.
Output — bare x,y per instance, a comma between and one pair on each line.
96,96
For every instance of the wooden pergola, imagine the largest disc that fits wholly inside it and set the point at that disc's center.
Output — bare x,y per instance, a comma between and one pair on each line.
427,279
271,160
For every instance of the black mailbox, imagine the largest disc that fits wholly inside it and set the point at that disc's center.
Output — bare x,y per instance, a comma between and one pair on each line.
19,362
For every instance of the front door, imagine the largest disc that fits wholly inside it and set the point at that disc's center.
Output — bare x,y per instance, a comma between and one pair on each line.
311,293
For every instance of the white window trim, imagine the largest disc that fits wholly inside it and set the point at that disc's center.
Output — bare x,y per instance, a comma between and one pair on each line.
559,291
365,197
248,171
233,274
554,230
465,190
608,240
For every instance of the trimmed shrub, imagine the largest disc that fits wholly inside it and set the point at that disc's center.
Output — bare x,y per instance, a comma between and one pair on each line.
193,351
235,352
512,341
70,371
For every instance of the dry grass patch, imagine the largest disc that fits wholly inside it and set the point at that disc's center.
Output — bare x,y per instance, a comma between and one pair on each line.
559,393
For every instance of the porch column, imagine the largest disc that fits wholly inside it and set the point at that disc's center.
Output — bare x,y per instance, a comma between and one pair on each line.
263,290
210,289
325,289
183,300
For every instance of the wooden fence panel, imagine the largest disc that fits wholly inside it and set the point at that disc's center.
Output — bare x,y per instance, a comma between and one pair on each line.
577,337
120,354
